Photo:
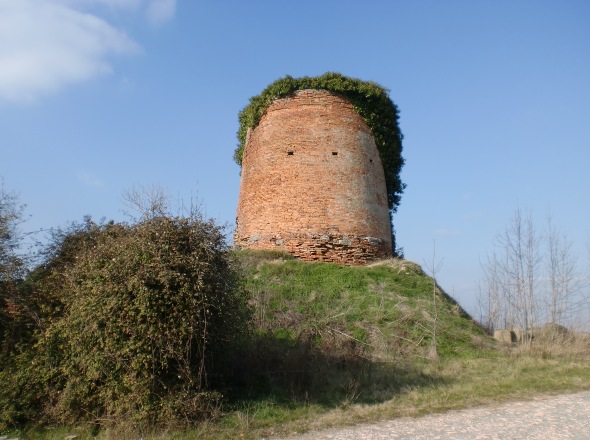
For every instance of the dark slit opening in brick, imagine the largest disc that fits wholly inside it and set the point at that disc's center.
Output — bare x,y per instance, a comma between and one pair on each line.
290,153
334,153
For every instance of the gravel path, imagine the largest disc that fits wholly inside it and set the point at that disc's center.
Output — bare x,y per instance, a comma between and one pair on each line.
547,418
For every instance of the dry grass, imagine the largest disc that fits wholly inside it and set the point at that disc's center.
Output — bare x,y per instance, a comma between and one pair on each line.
396,263
462,384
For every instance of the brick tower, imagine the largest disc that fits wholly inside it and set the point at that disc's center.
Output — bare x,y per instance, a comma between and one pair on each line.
313,183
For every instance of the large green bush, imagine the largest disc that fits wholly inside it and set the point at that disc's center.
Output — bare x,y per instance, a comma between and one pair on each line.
137,316
369,99
12,270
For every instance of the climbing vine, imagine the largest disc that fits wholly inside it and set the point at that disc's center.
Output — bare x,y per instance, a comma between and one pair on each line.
369,99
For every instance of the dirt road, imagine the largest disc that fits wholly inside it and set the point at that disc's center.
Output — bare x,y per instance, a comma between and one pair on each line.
544,418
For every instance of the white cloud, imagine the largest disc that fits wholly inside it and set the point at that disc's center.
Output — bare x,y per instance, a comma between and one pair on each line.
122,4
159,11
46,45
113,4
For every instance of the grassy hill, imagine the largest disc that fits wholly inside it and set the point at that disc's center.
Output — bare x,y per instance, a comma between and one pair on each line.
328,337
332,345
385,312
337,345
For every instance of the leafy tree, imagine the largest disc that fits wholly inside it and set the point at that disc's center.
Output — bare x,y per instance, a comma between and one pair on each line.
133,320
12,268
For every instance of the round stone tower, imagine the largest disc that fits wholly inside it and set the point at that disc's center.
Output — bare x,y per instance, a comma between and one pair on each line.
313,183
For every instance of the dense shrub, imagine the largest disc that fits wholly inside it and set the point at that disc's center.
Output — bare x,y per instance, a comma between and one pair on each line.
134,318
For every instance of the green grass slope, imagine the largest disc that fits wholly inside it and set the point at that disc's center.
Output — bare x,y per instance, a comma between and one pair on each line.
330,334
338,345
388,311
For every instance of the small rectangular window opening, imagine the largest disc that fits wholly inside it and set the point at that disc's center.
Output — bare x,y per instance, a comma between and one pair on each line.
334,153
290,153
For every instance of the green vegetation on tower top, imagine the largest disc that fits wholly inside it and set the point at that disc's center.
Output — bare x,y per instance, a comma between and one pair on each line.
369,99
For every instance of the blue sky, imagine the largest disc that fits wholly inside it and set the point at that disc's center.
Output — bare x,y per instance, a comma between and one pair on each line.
97,96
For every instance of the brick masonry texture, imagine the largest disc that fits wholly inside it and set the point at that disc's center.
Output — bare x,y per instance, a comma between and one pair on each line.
313,183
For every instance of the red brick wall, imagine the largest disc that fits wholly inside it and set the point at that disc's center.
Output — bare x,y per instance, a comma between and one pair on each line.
313,183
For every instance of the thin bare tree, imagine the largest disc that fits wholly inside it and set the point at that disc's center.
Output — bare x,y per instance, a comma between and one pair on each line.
532,279
491,297
434,267
564,297
511,277
147,201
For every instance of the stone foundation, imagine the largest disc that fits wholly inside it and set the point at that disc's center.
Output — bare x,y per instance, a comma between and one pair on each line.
329,248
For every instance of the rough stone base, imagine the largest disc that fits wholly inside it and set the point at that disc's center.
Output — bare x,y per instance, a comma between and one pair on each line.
506,336
331,248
